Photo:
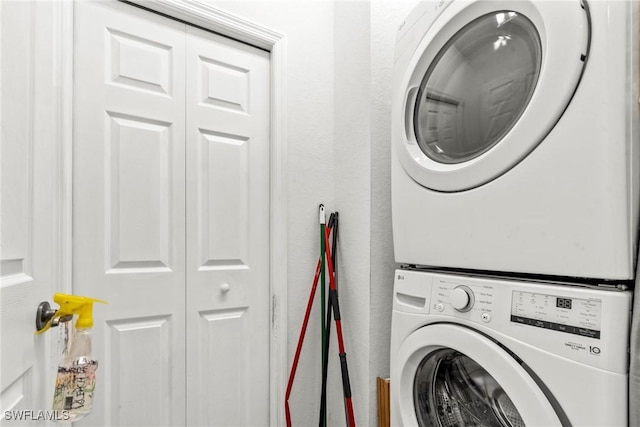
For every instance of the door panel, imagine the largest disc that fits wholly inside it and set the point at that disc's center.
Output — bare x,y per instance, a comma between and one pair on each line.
150,337
17,282
139,63
223,192
139,193
227,231
129,220
28,162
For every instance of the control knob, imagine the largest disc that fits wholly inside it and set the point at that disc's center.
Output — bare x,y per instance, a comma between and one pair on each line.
462,298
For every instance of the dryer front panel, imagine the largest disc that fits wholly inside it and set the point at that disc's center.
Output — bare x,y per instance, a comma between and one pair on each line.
484,85
477,87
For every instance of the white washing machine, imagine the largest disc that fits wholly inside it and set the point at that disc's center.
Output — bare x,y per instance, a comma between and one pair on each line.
515,137
469,351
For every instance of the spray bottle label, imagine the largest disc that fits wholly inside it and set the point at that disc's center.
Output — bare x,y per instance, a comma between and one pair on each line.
75,386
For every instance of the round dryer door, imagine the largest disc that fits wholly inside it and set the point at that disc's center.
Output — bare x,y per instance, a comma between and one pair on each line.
486,84
453,376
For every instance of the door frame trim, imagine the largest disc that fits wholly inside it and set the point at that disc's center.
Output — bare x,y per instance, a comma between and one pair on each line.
232,26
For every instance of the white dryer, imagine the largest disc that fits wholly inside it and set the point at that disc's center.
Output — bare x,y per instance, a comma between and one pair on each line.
469,351
515,137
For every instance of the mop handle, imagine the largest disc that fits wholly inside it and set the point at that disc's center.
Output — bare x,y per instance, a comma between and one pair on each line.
333,224
323,292
303,331
333,295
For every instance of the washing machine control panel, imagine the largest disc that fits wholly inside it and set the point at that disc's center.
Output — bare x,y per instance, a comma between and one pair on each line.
481,303
586,324
578,316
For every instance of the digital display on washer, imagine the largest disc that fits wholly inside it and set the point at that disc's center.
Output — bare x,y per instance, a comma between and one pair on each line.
570,315
563,303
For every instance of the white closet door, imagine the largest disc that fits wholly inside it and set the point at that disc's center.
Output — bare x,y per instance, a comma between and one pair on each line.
27,205
228,104
128,213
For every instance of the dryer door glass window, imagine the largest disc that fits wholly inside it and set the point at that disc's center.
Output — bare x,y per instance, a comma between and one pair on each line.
477,87
450,389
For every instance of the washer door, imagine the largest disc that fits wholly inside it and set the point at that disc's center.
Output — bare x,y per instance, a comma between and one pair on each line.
486,84
453,376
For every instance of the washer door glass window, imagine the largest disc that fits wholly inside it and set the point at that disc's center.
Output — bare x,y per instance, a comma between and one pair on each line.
450,389
477,87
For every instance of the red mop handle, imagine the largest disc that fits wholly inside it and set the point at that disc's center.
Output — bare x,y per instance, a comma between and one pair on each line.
333,295
303,332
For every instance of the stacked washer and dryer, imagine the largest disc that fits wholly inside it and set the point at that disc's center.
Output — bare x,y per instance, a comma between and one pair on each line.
516,196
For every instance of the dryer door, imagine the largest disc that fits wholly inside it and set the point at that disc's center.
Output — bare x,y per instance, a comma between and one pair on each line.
486,84
453,376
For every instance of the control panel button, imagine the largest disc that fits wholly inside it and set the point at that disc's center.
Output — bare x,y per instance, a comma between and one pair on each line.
486,317
440,307
462,298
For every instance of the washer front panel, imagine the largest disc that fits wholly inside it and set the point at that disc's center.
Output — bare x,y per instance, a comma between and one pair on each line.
521,393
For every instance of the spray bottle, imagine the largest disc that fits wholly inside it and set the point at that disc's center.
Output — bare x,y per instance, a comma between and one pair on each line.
76,379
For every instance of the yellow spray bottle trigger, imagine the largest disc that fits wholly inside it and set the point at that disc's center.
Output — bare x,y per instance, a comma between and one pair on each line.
74,304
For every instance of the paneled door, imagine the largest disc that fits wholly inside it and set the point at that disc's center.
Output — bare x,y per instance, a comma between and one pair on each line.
227,232
171,218
128,208
28,232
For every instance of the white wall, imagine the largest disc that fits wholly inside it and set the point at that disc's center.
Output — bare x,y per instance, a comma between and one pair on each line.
386,16
352,155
